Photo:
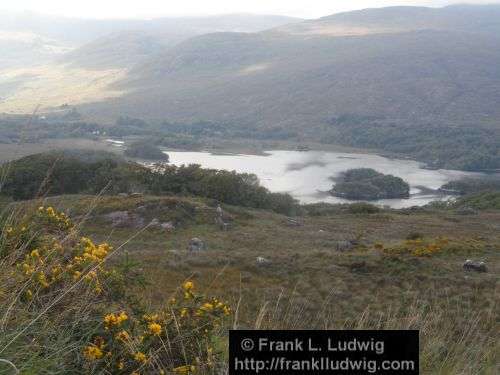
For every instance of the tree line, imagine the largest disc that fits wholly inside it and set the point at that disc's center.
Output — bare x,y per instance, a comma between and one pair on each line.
64,172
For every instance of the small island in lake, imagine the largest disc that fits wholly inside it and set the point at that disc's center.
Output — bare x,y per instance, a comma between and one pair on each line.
368,184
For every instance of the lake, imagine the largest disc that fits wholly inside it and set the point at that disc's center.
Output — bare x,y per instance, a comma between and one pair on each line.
307,175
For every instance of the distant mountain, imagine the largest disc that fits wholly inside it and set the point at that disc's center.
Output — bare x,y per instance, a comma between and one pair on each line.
467,18
118,50
25,48
280,77
35,39
80,31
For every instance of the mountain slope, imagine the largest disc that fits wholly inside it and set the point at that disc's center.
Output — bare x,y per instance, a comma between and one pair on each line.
40,39
117,50
426,91
54,61
268,79
470,18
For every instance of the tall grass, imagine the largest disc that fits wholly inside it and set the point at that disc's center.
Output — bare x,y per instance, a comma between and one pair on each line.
448,346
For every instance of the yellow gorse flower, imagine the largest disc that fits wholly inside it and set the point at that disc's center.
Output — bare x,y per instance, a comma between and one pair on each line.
114,319
58,218
140,357
150,317
184,370
207,307
92,352
123,336
154,328
92,252
188,286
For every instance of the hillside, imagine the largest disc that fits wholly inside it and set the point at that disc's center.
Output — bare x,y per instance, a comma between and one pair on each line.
51,61
118,50
32,39
271,274
336,88
274,81
397,19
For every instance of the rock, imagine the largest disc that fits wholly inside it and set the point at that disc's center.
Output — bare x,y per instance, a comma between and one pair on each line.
155,223
136,195
123,195
223,226
291,222
358,266
471,265
261,261
344,246
125,219
466,211
195,245
168,226
246,276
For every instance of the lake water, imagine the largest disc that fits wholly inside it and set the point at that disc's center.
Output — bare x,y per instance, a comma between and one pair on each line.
306,175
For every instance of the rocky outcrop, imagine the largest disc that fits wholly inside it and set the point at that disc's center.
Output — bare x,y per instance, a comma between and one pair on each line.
196,245
125,219
471,265
344,246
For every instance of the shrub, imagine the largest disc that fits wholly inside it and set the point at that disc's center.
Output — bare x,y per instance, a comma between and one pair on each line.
420,247
145,150
363,208
414,236
158,341
62,173
67,172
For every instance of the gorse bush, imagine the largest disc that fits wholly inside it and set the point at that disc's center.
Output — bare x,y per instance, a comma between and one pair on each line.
420,247
60,294
54,282
126,343
48,263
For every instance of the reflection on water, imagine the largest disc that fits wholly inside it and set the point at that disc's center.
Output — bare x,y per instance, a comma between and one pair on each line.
307,176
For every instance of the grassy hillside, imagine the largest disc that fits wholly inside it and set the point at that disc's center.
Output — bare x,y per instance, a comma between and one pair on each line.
383,281
471,18
118,50
109,281
402,77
